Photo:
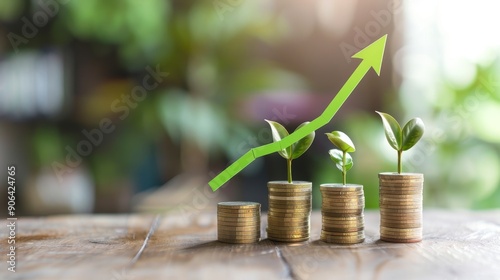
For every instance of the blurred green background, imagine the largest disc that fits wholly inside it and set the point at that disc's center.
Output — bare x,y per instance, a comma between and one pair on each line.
123,105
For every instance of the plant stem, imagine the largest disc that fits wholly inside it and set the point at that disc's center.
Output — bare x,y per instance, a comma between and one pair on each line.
289,169
344,171
400,167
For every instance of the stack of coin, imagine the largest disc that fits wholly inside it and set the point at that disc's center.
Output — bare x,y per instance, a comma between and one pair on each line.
342,213
289,214
238,222
400,201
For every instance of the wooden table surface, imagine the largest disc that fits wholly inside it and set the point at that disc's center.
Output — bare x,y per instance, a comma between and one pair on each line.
456,245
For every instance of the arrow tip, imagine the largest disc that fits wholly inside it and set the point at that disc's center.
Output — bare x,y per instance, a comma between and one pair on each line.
373,54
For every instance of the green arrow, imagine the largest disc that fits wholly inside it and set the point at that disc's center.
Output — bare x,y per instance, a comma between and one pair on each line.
371,58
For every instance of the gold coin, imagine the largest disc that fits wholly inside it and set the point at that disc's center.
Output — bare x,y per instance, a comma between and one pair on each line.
399,225
238,216
397,231
238,211
290,224
343,241
398,176
244,220
342,229
238,204
238,227
343,199
290,192
401,210
401,196
338,187
290,230
281,198
399,200
285,184
274,236
341,213
344,218
288,215
238,235
332,212
401,218
288,233
238,239
285,210
342,205
343,235
303,196
334,194
344,225
290,206
400,240
400,236
301,239
401,215
399,192
288,219
334,233
290,202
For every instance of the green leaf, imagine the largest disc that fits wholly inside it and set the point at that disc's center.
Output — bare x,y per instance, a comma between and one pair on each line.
412,132
279,132
336,156
392,131
303,144
348,162
341,140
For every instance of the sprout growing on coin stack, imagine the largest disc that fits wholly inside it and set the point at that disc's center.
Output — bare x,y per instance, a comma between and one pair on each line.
296,149
402,139
289,201
341,158
401,194
343,204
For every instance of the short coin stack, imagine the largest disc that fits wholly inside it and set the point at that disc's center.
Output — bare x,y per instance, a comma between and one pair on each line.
342,213
400,201
238,222
289,211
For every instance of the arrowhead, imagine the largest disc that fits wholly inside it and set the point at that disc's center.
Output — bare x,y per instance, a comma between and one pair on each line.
373,54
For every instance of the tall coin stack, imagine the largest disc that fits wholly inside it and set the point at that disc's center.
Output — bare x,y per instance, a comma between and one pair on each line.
400,201
289,214
342,213
238,222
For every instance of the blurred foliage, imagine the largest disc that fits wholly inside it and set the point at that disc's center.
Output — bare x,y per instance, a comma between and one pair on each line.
459,153
10,9
134,26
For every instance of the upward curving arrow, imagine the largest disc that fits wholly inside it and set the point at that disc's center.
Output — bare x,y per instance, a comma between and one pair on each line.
371,57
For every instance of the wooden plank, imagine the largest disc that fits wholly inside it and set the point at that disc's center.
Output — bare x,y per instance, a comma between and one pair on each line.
457,245
75,247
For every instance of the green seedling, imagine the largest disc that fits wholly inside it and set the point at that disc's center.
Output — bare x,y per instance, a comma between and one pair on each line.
402,139
341,156
296,149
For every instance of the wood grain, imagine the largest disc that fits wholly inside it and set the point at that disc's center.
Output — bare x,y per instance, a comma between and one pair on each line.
456,245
